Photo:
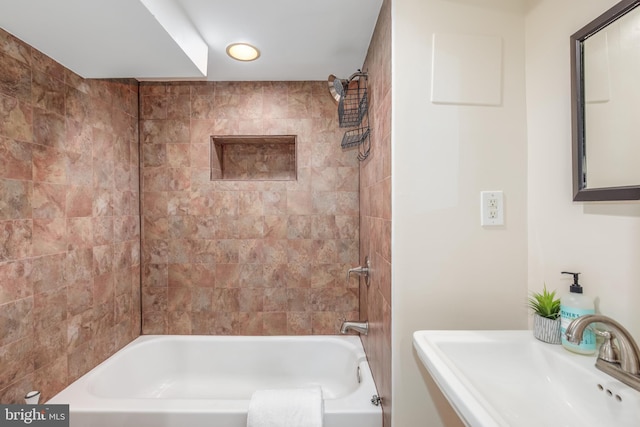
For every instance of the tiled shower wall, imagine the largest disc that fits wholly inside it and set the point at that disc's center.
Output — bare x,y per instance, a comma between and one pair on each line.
252,257
375,215
69,219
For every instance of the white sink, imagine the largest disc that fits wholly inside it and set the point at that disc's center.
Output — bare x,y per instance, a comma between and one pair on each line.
510,379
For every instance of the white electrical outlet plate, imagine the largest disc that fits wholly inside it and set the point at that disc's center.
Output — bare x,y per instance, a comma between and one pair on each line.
491,208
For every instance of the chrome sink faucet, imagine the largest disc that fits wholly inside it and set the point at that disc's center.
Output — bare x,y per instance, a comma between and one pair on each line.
627,368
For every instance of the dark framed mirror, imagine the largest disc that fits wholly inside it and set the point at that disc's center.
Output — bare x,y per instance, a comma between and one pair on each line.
605,110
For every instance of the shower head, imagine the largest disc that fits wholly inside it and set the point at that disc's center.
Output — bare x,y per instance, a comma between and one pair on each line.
336,87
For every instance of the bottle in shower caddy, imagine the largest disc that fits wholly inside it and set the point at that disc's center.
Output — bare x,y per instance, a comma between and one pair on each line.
573,305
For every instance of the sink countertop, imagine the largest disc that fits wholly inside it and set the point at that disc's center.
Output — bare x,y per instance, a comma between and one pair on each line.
510,379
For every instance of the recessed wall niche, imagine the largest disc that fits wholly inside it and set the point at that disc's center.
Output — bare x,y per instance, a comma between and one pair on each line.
255,157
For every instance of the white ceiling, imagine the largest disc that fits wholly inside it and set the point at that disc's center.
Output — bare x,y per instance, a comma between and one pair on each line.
187,39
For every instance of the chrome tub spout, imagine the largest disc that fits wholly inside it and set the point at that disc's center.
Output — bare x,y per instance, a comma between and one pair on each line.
359,327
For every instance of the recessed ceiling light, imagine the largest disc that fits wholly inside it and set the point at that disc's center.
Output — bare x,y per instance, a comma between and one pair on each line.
243,52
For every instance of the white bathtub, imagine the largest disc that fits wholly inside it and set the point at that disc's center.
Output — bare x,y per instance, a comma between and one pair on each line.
207,381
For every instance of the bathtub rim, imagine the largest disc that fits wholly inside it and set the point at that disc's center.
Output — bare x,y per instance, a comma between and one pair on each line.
81,401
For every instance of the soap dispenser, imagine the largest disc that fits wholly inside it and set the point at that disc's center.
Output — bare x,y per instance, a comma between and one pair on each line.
573,305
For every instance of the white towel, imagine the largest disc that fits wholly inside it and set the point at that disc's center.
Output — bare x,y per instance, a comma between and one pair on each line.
286,408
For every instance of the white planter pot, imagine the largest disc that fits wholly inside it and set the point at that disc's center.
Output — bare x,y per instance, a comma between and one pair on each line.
547,330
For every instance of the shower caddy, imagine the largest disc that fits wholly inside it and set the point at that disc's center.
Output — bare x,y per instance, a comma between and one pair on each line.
353,112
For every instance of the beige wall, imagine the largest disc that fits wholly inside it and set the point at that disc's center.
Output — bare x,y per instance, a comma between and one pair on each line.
448,271
439,253
69,215
600,240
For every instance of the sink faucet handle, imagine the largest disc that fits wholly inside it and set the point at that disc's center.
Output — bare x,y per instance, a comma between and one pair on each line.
608,350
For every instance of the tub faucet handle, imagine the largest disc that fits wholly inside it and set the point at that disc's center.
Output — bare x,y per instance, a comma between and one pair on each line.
360,271
363,271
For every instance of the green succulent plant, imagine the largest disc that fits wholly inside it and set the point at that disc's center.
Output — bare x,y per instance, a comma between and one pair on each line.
545,304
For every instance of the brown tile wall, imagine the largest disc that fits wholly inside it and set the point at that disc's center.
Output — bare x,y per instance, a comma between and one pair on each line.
69,219
245,257
375,211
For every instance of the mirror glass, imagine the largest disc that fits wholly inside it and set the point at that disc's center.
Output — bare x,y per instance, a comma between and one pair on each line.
606,86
